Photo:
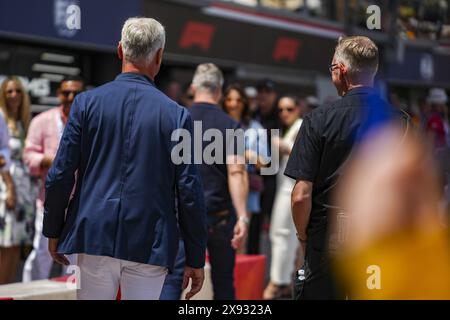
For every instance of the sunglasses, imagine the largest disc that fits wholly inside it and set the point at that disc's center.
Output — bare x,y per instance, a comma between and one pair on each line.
18,91
66,93
280,110
333,66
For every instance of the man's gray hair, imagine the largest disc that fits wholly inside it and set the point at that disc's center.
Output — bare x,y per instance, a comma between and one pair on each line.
360,55
208,77
141,39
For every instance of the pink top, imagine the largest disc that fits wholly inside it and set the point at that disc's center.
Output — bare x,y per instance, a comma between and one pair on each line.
43,138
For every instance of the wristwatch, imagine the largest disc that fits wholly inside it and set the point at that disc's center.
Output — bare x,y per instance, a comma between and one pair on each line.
244,219
300,239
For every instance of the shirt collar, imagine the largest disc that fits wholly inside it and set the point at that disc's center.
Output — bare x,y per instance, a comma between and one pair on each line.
361,90
205,104
137,77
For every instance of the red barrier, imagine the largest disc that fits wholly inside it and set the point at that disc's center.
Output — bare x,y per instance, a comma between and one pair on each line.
249,275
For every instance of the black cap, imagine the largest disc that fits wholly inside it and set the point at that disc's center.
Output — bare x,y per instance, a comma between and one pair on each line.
267,84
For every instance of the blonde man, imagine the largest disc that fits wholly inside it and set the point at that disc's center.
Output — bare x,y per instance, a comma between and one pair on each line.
323,145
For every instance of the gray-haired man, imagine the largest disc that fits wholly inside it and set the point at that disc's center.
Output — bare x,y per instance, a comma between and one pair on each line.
122,219
225,182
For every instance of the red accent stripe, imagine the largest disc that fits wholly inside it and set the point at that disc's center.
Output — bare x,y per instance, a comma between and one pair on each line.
282,19
60,279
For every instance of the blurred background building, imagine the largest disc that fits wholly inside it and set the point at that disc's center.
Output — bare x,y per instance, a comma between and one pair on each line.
290,41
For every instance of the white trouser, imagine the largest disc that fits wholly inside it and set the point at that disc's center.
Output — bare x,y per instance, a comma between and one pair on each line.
101,276
39,263
283,240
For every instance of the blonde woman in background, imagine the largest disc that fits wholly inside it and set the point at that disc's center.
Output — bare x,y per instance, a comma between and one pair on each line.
16,195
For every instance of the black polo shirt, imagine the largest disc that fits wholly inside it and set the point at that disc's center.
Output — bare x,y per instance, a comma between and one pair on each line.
323,145
214,176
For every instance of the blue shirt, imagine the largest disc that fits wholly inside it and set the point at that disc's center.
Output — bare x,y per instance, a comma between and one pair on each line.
256,142
118,140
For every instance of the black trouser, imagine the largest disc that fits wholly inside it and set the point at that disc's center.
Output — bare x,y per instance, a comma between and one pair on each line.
316,281
254,233
173,283
222,256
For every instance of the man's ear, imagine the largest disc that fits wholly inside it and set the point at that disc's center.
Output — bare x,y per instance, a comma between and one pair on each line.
120,51
219,94
159,56
343,68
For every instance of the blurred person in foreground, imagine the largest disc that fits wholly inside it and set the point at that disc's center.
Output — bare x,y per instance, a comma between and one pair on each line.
237,105
393,244
283,239
323,145
18,193
41,145
121,219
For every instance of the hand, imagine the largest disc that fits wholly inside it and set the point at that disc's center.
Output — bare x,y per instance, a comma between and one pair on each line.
2,161
197,276
11,199
46,162
240,233
58,257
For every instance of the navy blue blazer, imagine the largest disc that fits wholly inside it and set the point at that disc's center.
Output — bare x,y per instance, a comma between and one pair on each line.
118,143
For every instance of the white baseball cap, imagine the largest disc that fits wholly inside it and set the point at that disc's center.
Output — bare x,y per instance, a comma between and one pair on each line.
438,96
251,92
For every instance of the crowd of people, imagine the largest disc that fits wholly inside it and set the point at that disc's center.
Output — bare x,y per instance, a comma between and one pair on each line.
424,20
29,146
148,227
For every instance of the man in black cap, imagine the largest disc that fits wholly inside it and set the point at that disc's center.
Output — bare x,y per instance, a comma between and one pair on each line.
266,113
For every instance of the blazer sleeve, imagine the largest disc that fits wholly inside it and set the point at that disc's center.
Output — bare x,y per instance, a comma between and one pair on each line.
61,176
192,208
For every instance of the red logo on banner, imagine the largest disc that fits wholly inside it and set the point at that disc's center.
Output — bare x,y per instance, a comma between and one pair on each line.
197,34
286,49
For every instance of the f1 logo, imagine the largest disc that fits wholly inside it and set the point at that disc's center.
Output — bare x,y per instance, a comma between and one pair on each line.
286,49
197,34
